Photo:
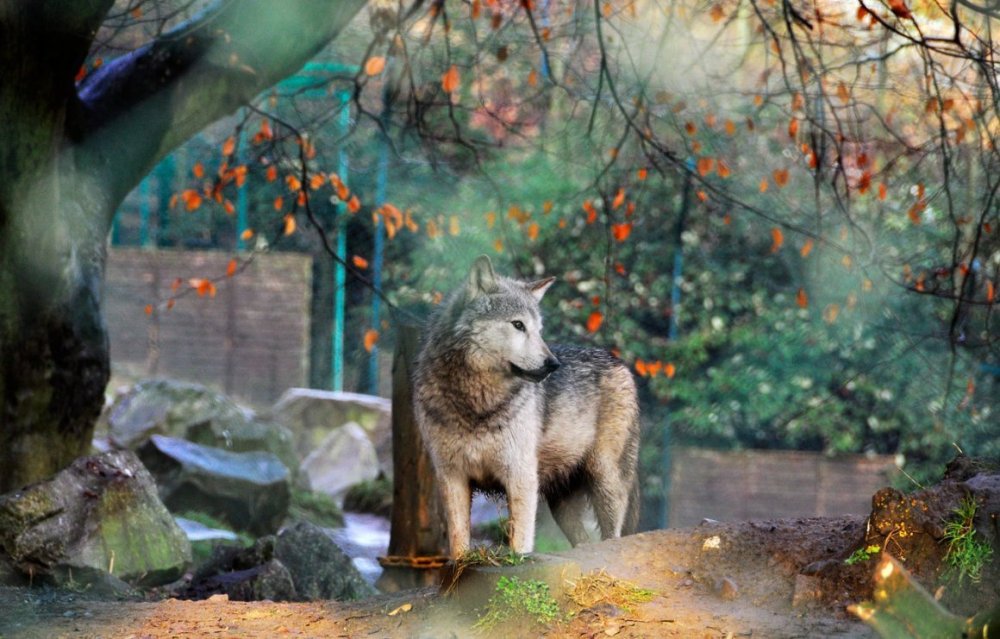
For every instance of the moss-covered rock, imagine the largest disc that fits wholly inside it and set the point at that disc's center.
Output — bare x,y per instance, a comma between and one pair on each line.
100,515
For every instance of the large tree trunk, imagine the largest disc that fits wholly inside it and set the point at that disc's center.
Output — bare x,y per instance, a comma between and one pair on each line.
69,155
53,347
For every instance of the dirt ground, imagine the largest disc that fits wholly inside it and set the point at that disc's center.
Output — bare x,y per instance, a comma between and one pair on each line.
718,580
774,579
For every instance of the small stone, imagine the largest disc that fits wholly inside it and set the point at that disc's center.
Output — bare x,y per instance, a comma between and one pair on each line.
218,598
727,588
807,589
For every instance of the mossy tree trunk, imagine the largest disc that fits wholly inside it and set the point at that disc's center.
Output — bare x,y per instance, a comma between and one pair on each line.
68,156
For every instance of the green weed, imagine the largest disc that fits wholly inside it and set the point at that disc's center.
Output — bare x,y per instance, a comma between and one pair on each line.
862,554
519,599
967,554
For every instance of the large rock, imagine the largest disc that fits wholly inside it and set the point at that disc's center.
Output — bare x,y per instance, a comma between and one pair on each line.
319,568
100,515
249,491
312,414
346,457
196,413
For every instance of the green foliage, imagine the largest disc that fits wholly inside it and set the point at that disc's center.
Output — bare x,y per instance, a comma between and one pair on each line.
863,554
967,553
374,496
517,599
316,508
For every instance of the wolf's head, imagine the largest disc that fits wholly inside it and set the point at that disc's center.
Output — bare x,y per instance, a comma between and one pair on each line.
502,322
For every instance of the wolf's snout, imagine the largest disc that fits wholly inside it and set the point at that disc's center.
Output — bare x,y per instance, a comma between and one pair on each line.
538,374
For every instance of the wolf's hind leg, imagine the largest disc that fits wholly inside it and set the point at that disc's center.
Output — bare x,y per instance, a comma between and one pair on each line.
569,511
610,495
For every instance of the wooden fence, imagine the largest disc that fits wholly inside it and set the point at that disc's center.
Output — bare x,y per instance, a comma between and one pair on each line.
769,484
251,340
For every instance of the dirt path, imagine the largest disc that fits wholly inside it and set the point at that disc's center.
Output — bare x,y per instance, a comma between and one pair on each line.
719,580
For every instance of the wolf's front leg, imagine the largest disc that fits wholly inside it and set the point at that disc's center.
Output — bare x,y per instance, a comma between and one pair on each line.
522,501
456,497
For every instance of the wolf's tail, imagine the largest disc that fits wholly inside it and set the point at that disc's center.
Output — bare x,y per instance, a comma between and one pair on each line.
631,525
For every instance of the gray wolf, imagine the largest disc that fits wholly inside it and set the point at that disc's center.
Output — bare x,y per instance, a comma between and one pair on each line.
499,410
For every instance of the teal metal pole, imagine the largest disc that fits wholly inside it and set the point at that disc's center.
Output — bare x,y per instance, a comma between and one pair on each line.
242,203
340,274
165,178
381,185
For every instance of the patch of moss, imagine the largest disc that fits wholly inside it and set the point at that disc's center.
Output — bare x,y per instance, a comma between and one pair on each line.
316,508
520,600
374,496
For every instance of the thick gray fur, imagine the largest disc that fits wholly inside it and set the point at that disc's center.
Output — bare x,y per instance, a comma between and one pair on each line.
497,411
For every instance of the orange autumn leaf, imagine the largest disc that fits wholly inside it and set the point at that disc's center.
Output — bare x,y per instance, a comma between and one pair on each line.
371,338
359,261
591,212
716,13
354,204
231,268
807,248
691,128
705,166
621,231
375,65
279,203
777,239
289,224
640,368
594,321
293,183
843,93
272,173
619,199
498,245
830,313
450,79
491,219
780,177
763,185
620,268
532,231
453,227
642,174
702,196
246,234
229,146
883,191
801,299
191,198
229,207
654,368
533,78
149,309
198,170
722,168
240,173
629,209
202,286
793,128
669,370
316,181
547,207
990,292
730,128
899,8
343,193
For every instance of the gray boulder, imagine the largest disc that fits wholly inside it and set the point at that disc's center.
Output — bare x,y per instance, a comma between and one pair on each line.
313,414
101,515
344,458
196,413
249,491
319,568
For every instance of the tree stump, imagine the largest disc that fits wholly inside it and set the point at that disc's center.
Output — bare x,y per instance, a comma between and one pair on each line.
417,538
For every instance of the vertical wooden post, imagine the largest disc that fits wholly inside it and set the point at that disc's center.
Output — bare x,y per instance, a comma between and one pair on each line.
417,538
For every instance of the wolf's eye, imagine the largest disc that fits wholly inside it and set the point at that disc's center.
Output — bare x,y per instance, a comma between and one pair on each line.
519,325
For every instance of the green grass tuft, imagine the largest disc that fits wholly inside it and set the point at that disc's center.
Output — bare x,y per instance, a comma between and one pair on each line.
517,599
967,554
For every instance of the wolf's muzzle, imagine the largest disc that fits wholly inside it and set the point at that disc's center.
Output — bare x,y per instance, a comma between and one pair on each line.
537,374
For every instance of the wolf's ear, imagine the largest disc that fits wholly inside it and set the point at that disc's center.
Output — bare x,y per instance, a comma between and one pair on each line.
538,287
482,279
